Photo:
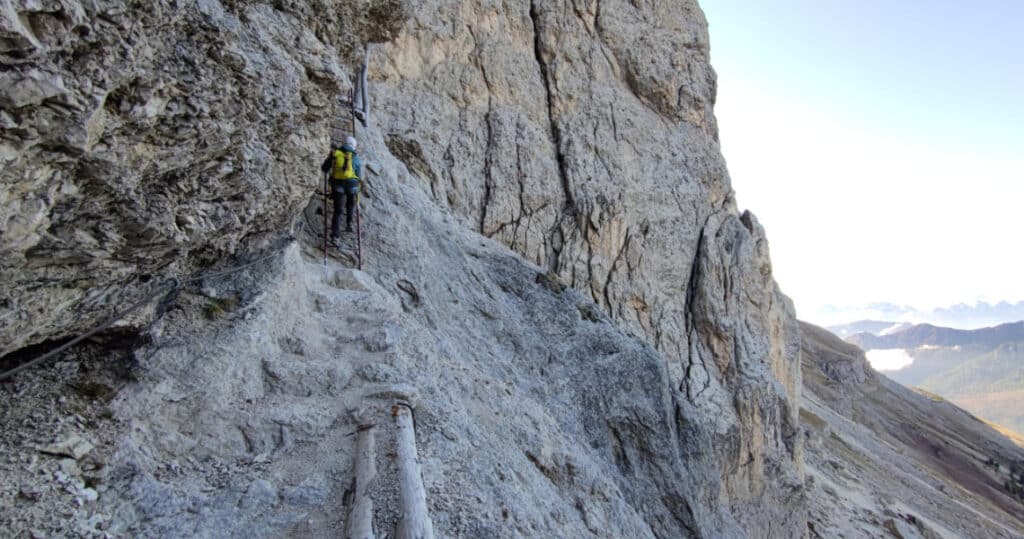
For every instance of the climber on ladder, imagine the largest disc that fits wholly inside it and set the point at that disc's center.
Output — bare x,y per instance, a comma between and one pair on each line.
345,170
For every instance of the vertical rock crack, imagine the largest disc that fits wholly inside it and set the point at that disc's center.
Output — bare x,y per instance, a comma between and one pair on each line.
554,133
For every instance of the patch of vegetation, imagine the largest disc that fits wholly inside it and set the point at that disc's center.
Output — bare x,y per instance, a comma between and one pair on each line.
929,394
219,307
590,312
810,418
94,391
1015,484
550,281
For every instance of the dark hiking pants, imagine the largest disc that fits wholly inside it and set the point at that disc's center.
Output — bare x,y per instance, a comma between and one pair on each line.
343,192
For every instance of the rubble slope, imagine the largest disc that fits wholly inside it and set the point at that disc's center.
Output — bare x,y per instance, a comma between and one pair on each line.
884,460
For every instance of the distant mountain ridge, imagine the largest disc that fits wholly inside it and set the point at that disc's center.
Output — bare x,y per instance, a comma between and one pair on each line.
930,335
961,315
875,327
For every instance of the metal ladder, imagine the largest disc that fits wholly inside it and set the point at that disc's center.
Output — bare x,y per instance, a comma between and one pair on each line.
355,107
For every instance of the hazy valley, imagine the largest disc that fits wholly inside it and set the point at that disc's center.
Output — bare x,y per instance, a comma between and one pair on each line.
981,370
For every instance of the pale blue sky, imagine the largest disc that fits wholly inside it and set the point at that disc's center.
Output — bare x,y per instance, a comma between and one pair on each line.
938,69
880,142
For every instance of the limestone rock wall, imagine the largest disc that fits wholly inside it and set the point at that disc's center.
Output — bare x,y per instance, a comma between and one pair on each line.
581,134
150,138
140,139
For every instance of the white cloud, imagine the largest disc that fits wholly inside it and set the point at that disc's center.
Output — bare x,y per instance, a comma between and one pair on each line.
889,360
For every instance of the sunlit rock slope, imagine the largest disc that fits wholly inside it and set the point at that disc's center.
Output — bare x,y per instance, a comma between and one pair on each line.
145,141
556,275
884,460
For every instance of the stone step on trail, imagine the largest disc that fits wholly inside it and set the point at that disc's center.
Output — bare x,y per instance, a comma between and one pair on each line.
355,370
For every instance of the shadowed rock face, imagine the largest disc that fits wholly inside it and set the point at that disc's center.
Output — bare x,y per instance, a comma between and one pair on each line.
141,142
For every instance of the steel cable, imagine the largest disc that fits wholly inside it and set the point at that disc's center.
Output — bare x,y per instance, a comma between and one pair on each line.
167,287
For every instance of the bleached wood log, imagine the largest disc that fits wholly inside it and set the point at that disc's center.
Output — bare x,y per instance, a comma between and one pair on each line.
415,520
360,518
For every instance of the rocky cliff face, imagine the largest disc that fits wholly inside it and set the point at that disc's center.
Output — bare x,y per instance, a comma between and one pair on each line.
581,135
151,138
142,141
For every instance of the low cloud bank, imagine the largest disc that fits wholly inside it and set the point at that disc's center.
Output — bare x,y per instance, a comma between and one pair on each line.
889,360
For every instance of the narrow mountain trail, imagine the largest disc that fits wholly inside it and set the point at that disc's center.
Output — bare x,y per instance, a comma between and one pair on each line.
360,329
257,421
356,339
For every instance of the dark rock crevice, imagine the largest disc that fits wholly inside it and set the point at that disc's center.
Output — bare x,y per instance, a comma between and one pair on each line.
488,164
568,208
546,78
691,316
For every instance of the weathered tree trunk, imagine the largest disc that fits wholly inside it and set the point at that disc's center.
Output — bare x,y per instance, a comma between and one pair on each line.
360,519
415,521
